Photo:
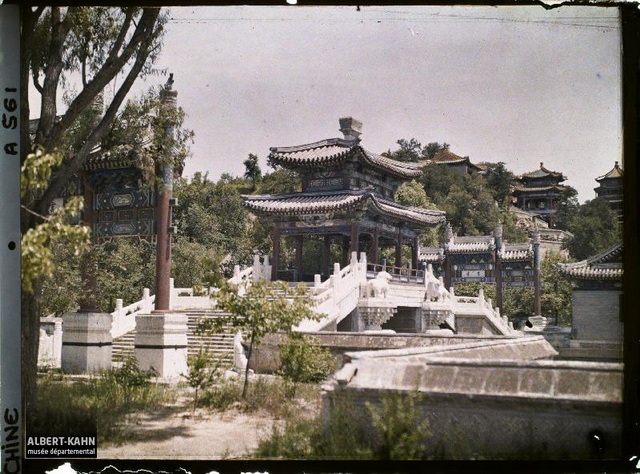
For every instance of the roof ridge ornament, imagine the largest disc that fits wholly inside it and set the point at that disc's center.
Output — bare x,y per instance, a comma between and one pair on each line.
351,128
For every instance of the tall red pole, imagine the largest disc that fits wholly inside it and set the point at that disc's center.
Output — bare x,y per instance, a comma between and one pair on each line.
163,210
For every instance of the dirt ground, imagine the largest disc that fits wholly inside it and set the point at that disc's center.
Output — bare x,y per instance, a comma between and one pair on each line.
174,432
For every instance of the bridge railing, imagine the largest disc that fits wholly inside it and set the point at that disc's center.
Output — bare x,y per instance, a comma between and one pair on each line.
399,274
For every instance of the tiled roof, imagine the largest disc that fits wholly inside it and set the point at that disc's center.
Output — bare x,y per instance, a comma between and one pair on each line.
312,203
336,150
604,266
481,243
515,252
319,153
406,169
447,156
556,187
543,172
616,172
431,254
299,203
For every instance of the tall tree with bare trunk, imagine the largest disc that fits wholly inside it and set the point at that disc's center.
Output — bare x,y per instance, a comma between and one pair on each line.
74,53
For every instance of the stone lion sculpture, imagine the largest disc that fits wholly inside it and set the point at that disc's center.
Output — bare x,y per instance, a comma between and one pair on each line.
379,286
436,290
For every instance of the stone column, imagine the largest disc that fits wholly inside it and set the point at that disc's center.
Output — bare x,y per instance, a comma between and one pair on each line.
497,233
161,344
536,273
86,343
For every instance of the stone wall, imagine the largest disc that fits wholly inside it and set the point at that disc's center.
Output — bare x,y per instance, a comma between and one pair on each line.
596,315
265,357
482,409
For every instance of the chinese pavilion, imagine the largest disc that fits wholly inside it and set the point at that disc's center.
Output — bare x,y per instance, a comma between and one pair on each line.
347,198
456,163
540,191
610,188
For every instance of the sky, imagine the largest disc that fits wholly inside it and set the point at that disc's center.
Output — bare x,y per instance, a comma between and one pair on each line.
521,85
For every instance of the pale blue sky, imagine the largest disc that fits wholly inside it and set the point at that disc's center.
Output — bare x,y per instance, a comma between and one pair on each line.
521,85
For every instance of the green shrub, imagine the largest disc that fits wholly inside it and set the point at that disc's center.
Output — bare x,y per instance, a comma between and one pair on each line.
201,374
400,427
303,361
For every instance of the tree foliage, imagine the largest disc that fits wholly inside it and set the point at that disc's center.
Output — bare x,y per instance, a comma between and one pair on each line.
556,291
265,307
63,47
303,360
595,227
54,229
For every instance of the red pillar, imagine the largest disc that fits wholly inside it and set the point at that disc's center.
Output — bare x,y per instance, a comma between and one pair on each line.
168,97
275,262
326,251
88,265
299,246
399,249
355,236
374,247
163,247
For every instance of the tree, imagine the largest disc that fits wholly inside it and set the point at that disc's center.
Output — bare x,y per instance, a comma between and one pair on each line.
412,194
432,149
556,291
91,46
410,150
252,169
266,307
595,227
499,180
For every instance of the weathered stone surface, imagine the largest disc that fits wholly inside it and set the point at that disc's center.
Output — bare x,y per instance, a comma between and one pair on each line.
498,409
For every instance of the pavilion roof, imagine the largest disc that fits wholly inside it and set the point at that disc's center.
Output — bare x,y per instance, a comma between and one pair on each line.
616,172
431,254
530,189
334,151
318,203
541,173
606,265
447,157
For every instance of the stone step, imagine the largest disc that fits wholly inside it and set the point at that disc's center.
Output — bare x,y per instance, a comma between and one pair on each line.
220,346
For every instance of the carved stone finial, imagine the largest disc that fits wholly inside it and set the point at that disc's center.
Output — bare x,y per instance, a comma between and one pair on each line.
448,232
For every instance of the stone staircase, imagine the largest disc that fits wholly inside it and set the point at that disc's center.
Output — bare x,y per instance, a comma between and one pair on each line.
220,346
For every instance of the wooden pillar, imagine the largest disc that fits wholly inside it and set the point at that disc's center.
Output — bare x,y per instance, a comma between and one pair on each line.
168,96
326,252
299,246
374,247
275,261
163,242
415,254
346,242
355,236
88,264
399,248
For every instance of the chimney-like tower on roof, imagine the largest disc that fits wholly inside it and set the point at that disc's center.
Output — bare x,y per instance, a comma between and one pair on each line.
351,128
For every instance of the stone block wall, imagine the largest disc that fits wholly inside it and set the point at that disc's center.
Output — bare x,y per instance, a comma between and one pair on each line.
535,410
596,315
